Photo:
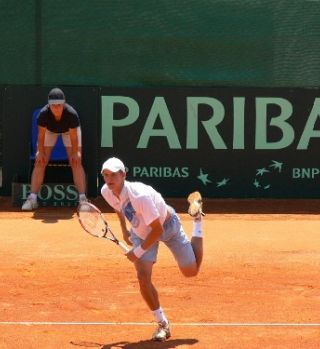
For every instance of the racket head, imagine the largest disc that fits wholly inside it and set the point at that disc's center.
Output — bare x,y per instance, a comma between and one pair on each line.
91,219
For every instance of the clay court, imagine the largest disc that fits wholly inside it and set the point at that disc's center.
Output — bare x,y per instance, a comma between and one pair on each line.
259,286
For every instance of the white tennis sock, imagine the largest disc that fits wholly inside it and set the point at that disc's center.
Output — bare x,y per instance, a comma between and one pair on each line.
33,196
197,228
159,315
82,197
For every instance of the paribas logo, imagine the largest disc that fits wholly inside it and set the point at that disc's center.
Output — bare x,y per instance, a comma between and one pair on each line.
161,172
159,122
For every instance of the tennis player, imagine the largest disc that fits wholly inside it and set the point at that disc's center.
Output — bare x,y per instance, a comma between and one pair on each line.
57,117
152,221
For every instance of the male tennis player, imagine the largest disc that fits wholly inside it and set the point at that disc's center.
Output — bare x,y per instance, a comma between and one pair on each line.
57,117
152,221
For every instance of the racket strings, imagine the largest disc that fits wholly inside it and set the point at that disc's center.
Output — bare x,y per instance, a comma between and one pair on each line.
93,222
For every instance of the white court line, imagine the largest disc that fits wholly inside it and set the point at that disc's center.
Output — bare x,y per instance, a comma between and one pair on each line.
207,324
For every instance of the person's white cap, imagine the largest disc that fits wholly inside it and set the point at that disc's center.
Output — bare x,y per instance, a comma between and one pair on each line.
113,165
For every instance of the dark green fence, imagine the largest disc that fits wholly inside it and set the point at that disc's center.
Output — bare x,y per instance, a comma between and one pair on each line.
160,42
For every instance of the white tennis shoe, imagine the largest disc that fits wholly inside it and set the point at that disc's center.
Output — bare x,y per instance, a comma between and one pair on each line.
162,332
195,205
29,205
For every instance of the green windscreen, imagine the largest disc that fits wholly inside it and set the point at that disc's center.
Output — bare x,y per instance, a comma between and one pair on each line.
160,42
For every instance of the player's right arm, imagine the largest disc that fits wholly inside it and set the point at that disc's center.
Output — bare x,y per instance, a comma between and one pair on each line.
125,231
41,154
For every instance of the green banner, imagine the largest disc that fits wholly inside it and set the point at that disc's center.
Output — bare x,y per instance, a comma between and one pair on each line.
225,142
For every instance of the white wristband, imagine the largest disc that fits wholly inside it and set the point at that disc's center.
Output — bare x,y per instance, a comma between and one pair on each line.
139,251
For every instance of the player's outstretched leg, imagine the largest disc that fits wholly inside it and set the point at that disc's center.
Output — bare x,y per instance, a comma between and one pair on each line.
195,211
195,205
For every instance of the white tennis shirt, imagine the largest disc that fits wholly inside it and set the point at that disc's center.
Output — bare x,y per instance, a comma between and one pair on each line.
139,203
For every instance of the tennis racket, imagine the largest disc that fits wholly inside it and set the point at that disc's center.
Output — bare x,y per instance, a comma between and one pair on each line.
94,223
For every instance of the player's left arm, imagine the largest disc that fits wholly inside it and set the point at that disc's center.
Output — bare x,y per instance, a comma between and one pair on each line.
76,153
153,237
124,229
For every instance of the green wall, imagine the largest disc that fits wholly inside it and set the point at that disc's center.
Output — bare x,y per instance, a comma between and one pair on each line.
142,43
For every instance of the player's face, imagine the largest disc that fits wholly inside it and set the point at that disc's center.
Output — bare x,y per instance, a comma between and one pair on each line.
114,180
56,109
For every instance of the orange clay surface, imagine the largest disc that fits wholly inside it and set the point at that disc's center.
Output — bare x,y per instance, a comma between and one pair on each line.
259,285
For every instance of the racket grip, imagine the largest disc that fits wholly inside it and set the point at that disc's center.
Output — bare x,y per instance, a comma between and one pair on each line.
123,247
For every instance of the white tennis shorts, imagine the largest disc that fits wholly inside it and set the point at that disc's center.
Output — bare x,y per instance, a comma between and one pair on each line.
174,237
50,138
